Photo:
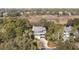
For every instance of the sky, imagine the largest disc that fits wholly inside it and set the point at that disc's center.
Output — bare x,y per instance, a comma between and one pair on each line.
39,3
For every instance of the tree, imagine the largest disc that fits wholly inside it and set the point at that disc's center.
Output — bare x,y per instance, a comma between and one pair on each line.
19,31
54,31
67,45
24,23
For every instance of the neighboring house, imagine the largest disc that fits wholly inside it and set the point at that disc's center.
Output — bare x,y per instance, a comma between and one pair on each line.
5,14
21,13
69,14
60,13
67,32
39,32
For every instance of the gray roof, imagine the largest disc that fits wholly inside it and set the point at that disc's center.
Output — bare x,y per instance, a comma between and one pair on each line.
39,30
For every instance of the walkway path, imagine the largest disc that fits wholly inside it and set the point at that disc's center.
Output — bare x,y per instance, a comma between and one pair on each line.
44,43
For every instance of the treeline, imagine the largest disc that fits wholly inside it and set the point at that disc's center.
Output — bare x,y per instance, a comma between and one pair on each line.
39,11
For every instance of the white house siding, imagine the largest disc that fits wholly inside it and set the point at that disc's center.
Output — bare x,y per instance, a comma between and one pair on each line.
39,32
66,36
37,37
67,31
